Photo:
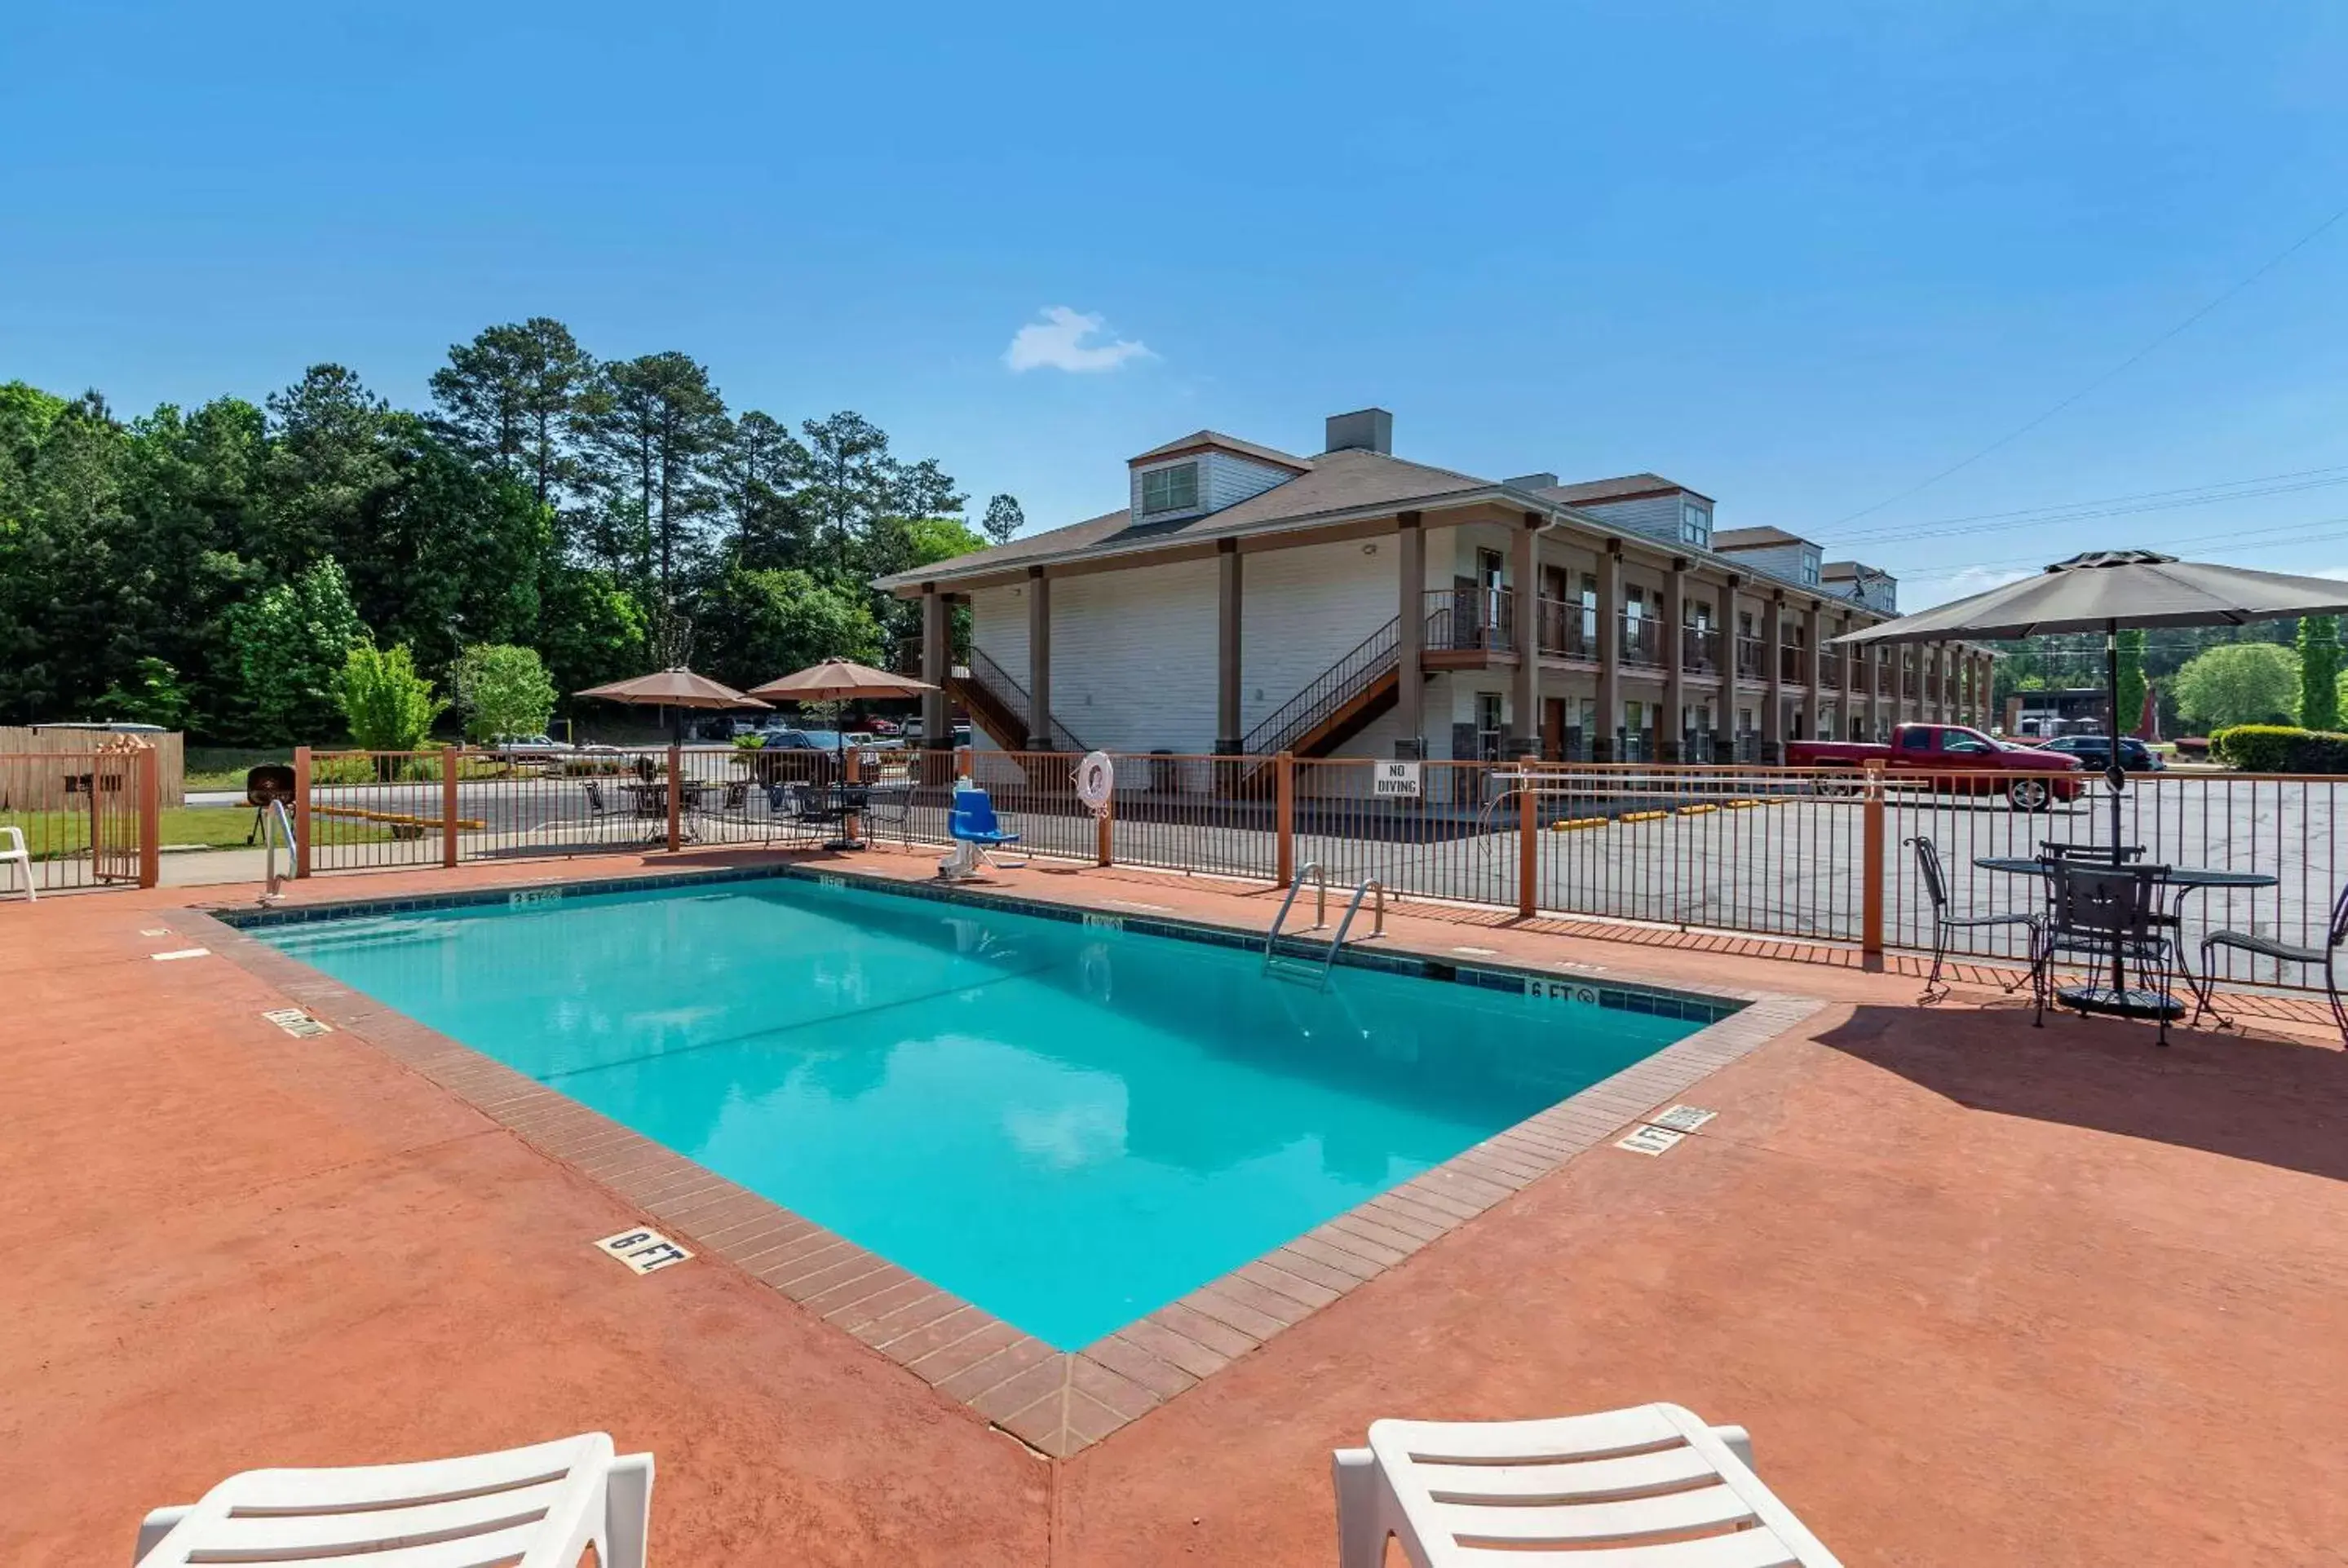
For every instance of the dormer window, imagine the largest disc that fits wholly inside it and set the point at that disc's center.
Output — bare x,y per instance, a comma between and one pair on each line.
1174,488
1810,567
1696,524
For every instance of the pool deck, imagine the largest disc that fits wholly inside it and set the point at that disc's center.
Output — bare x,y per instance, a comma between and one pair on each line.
1984,1293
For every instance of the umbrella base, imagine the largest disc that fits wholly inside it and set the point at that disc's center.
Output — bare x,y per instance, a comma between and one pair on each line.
2131,1002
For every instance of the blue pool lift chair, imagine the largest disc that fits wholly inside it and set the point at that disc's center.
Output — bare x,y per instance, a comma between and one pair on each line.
976,834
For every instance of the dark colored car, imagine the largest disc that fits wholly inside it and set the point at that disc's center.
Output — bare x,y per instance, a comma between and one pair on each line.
2094,752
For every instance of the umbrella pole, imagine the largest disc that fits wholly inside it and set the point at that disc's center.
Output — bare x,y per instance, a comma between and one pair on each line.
2115,776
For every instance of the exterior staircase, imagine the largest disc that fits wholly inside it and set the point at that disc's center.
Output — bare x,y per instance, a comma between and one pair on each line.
999,705
1338,703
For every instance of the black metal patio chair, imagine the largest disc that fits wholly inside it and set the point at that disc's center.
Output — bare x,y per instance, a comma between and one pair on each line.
1945,925
2327,957
2100,914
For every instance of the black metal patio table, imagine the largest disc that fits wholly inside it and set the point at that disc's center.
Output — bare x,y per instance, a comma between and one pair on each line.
2117,997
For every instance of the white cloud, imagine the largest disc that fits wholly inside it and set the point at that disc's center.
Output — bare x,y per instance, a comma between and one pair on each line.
1057,343
1964,584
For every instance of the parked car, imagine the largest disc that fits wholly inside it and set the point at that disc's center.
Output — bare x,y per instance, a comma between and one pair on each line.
519,748
1963,762
783,738
2094,752
873,740
884,726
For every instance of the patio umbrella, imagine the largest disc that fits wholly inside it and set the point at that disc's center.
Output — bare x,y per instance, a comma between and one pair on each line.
679,689
2103,590
837,680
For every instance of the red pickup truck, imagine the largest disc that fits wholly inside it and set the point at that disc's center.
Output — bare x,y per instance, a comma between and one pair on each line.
1961,760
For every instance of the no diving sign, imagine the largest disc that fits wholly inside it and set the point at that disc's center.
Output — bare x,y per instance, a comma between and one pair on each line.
1395,778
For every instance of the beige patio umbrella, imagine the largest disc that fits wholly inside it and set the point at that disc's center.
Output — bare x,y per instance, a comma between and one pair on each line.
839,679
679,689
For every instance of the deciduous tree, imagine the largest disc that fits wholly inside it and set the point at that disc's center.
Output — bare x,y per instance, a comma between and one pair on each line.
2319,671
2240,683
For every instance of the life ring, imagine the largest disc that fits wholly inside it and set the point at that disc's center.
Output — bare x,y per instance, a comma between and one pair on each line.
1096,782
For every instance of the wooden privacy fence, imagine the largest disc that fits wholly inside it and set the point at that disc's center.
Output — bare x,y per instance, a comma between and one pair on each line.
64,754
89,817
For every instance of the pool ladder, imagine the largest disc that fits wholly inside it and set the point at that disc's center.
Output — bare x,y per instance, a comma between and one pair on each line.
1275,962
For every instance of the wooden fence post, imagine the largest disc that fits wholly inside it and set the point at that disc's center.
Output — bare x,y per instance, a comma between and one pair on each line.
450,758
1870,915
675,797
301,811
148,766
1528,844
1283,807
1106,828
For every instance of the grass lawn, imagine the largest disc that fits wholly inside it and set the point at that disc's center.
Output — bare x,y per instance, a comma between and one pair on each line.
51,835
224,767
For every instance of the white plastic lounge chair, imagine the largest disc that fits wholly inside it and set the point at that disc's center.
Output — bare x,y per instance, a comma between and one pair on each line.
538,1506
1649,1487
14,839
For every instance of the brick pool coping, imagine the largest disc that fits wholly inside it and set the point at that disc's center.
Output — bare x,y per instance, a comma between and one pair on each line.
1057,1402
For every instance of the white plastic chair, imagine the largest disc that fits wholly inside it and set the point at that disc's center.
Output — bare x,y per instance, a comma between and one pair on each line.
538,1506
1649,1487
14,838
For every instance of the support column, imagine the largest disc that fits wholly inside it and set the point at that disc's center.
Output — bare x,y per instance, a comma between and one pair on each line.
1988,689
1410,636
1731,695
1773,671
1040,660
1672,733
1604,747
1524,739
1227,647
1814,669
937,667
1870,670
1848,652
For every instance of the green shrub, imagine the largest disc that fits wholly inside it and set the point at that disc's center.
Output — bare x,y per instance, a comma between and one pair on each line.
749,742
2280,749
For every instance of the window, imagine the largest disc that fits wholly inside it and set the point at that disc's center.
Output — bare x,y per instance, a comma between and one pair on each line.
1919,739
1695,525
1174,489
1810,567
1958,741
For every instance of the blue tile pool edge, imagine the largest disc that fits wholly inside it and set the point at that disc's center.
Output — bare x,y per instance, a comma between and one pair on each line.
1057,1402
1693,1004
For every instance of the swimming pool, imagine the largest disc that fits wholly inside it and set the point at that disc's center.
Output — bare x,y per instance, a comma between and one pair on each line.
1065,1124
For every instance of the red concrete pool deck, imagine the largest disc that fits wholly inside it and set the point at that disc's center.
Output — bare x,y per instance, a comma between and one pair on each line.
1984,1293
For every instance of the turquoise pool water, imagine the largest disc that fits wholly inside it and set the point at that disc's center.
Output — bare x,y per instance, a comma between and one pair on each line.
1068,1126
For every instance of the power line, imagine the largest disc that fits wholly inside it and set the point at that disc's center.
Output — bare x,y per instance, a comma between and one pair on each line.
2229,542
2028,425
2112,506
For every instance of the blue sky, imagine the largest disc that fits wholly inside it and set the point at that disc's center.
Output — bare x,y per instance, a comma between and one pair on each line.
1799,257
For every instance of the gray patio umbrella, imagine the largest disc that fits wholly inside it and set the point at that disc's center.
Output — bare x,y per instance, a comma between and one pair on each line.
2104,590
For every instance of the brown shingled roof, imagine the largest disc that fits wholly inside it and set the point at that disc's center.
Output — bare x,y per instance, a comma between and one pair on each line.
1753,538
1199,440
1336,482
1627,487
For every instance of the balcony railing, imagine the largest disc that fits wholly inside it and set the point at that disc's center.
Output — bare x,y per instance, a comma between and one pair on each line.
1790,663
1908,685
1748,657
1560,630
1699,650
1642,641
1458,619
1830,671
